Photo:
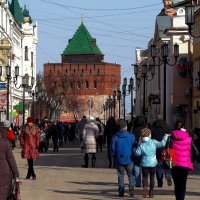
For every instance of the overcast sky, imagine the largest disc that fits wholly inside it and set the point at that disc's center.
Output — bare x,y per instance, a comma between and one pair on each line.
118,26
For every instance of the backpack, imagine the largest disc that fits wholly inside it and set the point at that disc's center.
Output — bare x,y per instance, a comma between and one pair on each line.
168,157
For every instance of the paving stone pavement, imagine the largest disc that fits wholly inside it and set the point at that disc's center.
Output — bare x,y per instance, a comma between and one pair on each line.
60,177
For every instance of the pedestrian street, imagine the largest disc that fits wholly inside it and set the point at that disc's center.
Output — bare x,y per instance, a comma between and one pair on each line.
61,177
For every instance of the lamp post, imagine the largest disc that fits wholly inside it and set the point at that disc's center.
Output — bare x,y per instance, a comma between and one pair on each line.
8,78
189,18
33,93
164,57
114,103
130,88
119,95
144,76
25,86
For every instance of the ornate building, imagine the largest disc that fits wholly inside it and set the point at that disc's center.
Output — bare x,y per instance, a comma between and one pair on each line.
83,80
18,40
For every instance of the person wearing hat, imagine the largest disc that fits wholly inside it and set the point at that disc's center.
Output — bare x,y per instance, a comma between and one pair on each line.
7,131
147,150
122,151
90,134
30,141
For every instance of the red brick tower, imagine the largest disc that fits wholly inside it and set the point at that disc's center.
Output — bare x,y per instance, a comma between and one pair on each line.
85,80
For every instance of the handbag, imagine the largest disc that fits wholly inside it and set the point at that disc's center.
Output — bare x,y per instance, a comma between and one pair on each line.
11,194
168,155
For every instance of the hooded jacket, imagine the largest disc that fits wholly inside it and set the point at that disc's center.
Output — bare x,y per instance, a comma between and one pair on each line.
122,147
147,150
182,146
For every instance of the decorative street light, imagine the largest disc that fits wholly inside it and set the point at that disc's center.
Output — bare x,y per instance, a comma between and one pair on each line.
164,57
119,95
189,18
33,93
144,76
8,78
114,101
25,86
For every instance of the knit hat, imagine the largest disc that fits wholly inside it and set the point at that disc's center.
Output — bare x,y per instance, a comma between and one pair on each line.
146,132
91,119
6,124
30,119
122,124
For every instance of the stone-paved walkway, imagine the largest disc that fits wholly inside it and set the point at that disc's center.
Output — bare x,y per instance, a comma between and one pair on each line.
60,177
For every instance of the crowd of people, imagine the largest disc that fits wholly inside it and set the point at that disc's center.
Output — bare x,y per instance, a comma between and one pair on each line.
135,148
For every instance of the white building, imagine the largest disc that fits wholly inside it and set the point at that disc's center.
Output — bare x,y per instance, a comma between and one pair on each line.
18,35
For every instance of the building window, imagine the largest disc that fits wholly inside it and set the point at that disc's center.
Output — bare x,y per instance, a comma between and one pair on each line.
31,59
26,53
79,85
87,84
95,84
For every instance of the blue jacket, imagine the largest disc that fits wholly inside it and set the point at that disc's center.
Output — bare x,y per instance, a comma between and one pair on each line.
147,150
122,147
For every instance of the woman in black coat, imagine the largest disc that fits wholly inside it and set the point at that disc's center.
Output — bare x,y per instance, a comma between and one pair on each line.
8,168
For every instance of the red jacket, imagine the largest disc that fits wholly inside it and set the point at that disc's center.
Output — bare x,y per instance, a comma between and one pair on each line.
30,141
11,135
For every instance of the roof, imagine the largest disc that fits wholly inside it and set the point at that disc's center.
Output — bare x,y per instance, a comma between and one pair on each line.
82,43
163,23
16,11
26,12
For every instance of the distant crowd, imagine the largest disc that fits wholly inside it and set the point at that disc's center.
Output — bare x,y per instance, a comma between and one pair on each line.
141,150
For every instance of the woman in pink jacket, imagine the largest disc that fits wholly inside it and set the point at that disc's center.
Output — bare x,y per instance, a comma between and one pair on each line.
182,146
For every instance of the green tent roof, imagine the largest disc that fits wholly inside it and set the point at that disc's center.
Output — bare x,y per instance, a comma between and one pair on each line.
82,43
26,12
16,11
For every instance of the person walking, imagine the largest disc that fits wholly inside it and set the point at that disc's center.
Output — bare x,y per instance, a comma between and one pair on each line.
182,147
9,168
158,130
110,130
30,142
122,151
147,150
101,135
139,123
90,134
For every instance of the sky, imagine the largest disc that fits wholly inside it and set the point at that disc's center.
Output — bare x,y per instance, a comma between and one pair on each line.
118,26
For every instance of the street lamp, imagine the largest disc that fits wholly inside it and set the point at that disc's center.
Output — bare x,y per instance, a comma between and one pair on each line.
164,57
144,76
114,101
8,78
189,18
119,95
33,93
25,86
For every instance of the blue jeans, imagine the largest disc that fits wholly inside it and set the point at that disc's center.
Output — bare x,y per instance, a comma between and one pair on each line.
138,177
129,170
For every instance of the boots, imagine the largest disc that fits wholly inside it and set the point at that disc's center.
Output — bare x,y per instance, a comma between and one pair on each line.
121,191
86,161
131,190
145,192
150,194
93,161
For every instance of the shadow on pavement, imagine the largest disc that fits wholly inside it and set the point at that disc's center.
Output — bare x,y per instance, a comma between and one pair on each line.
70,157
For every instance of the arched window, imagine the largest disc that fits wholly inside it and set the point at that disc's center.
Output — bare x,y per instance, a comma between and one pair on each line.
26,53
95,84
87,84
79,85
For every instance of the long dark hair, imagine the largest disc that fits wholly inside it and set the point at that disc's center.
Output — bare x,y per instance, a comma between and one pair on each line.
178,125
